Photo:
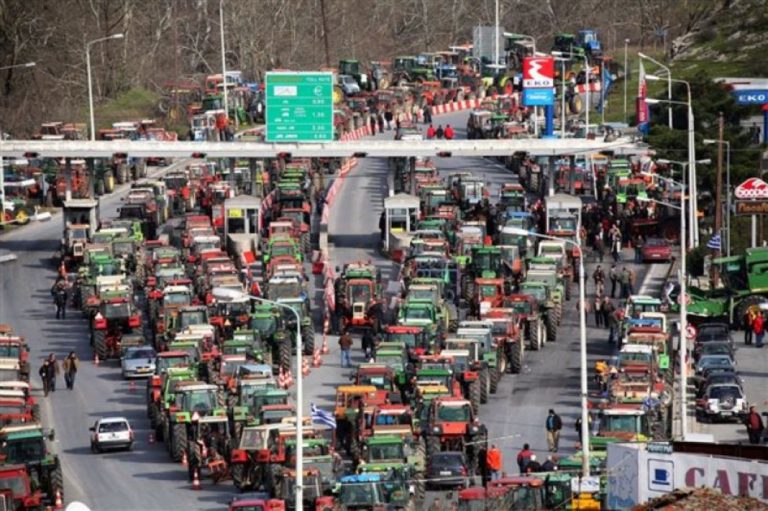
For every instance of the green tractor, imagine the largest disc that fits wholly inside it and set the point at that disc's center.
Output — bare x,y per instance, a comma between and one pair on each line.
192,399
406,69
478,338
268,321
25,444
549,306
422,314
569,44
487,262
427,290
384,453
351,68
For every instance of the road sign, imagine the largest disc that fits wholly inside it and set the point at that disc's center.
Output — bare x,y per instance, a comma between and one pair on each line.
690,332
538,97
299,107
538,72
751,96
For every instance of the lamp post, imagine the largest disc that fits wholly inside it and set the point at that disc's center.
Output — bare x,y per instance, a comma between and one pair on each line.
562,95
626,78
223,59
496,41
2,138
683,348
710,141
669,82
583,344
90,82
588,93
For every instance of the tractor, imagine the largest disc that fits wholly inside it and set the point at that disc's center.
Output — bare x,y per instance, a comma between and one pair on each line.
351,68
359,296
16,489
406,69
452,425
26,445
190,401
115,318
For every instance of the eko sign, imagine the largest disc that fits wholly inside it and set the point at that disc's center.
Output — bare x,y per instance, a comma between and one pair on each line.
538,81
751,96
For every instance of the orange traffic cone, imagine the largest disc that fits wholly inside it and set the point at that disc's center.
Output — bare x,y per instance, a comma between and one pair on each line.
151,437
288,379
184,459
95,359
59,504
316,360
304,366
196,480
280,377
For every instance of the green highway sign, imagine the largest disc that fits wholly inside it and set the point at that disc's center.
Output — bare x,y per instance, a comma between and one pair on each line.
299,106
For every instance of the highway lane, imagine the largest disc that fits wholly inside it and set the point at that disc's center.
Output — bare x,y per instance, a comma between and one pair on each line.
142,479
550,378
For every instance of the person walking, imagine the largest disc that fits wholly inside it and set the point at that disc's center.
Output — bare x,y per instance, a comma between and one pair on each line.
53,372
59,293
345,343
758,327
638,243
415,113
368,344
372,123
380,119
70,366
599,277
494,462
598,306
388,117
749,318
613,273
440,132
624,279
754,425
616,244
553,424
44,371
523,457
608,309
427,114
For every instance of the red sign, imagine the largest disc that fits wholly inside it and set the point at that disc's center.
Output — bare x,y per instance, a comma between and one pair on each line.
752,188
538,72
690,332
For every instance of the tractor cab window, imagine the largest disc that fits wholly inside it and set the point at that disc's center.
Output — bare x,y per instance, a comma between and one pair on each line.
176,299
611,423
122,248
453,413
386,452
380,381
10,351
360,494
163,363
266,325
418,313
117,310
488,290
24,451
285,289
521,307
360,293
563,223
199,401
17,485
78,234
189,318
734,275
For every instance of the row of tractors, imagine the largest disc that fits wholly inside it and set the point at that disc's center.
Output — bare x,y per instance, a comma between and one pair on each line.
31,476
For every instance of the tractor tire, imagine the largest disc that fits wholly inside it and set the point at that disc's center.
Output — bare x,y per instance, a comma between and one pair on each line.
535,336
433,446
57,482
551,327
495,375
466,288
308,339
516,358
568,291
306,246
474,396
284,354
503,363
180,441
160,428
100,343
753,301
485,385
238,477
221,399
533,183
419,488
36,412
152,413
575,104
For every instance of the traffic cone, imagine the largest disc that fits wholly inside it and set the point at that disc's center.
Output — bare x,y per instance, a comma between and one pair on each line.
316,360
280,377
151,437
95,359
324,350
288,379
304,366
59,504
196,480
132,386
184,459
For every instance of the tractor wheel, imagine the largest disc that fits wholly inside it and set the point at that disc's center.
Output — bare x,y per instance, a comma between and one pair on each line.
100,343
568,291
516,358
179,444
419,488
160,428
57,481
502,363
433,446
284,348
750,302
152,414
485,385
533,183
575,104
306,247
474,396
551,327
238,473
495,375
35,412
535,336
221,399
308,339
466,288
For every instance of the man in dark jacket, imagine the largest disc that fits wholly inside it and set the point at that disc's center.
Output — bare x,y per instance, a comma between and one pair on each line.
754,426
59,292
553,424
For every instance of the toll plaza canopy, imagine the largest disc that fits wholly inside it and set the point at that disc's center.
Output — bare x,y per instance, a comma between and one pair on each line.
337,149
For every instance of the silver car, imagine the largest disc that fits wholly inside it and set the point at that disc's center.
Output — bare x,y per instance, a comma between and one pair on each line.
138,362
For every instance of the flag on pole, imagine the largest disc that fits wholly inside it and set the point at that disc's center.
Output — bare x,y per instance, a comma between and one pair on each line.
641,107
607,82
714,242
322,417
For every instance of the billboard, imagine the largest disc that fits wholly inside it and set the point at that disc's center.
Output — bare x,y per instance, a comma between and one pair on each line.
538,72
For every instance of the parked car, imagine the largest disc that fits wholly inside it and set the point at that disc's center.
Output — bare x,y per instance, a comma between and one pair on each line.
713,331
717,377
656,250
138,362
349,85
111,433
714,363
713,348
447,469
723,401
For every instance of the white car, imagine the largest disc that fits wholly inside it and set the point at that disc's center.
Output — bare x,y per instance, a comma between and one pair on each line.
111,433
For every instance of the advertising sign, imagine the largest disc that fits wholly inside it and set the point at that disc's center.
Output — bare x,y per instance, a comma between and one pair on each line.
299,107
538,97
753,188
538,72
751,96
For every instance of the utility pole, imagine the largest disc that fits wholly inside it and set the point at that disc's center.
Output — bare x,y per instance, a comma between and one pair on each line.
325,34
719,193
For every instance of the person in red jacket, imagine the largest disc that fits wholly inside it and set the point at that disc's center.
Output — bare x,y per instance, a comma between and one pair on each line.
523,457
758,326
449,133
430,132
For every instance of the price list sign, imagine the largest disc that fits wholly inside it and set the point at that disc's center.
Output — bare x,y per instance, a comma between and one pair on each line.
299,107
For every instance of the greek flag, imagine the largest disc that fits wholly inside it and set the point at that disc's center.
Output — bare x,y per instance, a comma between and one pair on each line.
322,417
714,242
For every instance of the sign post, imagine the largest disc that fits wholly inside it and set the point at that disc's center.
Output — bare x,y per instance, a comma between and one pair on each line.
299,107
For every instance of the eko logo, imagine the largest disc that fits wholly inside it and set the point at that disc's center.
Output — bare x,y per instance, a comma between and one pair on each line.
538,72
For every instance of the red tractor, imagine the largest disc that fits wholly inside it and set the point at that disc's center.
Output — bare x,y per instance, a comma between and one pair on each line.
115,318
16,489
359,296
451,425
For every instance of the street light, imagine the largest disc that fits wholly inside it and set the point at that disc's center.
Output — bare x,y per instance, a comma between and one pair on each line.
683,349
626,79
2,138
223,60
589,91
562,95
710,141
669,81
583,343
90,83
228,294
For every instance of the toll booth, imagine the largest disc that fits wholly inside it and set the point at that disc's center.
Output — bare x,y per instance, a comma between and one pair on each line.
242,222
400,213
82,212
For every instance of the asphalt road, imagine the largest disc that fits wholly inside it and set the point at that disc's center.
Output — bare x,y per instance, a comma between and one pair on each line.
142,479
